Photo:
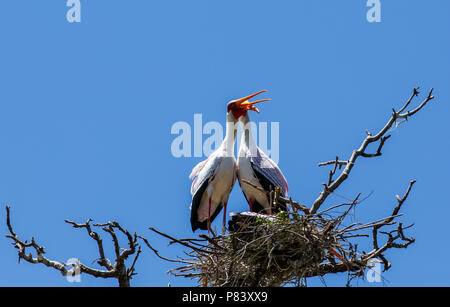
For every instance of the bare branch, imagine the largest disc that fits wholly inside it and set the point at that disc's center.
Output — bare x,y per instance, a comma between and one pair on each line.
103,261
117,270
361,151
340,163
155,251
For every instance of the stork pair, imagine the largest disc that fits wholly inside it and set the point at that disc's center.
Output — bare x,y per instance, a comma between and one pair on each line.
214,177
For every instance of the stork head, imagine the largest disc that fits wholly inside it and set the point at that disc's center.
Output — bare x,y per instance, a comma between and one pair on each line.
239,107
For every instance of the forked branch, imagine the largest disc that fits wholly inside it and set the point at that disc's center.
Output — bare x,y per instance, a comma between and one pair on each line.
117,270
380,137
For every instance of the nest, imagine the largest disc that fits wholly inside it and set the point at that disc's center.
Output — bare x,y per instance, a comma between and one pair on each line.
262,250
289,247
268,250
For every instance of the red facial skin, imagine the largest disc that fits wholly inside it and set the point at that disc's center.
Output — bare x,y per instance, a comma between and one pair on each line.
237,111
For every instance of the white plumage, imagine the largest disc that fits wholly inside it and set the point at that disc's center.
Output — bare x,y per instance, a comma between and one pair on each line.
256,167
213,180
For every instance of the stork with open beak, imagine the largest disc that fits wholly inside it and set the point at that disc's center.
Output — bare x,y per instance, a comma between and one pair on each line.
214,177
256,167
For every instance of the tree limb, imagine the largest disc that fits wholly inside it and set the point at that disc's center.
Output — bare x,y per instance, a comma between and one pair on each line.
116,270
361,151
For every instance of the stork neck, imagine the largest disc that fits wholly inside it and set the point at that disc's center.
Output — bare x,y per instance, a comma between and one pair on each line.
246,138
230,136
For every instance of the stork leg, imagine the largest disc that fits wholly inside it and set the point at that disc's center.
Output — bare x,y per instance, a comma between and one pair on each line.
209,217
250,203
224,217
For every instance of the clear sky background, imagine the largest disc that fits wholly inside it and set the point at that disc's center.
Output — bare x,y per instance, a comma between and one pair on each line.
86,111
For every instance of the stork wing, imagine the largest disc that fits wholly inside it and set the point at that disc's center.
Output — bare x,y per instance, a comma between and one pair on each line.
203,171
204,175
265,166
197,169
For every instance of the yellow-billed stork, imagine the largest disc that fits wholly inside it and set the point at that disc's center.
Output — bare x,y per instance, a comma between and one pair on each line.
214,177
256,167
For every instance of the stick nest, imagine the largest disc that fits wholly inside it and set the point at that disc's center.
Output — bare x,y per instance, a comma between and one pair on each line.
268,250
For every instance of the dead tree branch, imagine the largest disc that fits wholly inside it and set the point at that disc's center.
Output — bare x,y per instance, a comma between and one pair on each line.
380,137
117,270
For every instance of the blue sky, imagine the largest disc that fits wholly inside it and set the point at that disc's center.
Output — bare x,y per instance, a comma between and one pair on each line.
86,111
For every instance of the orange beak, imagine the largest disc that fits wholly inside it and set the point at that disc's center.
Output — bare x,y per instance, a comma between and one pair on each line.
245,104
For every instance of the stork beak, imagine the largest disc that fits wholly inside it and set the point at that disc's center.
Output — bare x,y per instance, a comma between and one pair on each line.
244,102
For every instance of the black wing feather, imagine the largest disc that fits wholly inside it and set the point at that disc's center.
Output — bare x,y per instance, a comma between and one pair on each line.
268,186
195,224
